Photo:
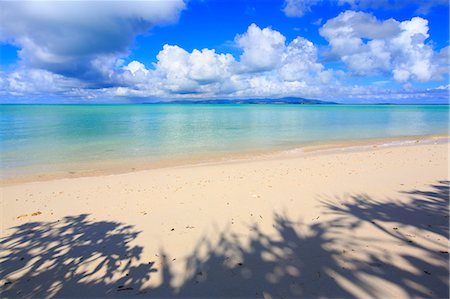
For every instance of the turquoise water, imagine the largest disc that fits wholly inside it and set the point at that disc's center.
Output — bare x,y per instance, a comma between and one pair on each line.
37,135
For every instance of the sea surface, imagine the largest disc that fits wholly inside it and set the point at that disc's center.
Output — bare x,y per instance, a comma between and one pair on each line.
45,138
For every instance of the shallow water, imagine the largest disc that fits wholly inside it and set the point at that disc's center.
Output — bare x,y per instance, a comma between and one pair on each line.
34,136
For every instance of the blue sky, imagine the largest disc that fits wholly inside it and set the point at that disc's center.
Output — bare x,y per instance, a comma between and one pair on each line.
351,51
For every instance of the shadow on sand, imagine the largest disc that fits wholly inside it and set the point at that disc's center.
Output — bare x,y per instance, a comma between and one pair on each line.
70,257
82,258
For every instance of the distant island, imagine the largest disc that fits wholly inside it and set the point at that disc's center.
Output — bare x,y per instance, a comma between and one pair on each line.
285,100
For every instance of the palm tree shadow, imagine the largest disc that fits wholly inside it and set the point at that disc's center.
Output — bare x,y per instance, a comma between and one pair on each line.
77,257
425,212
83,258
71,257
296,260
285,264
299,260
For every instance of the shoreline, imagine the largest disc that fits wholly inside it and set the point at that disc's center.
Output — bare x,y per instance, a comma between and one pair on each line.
124,166
354,222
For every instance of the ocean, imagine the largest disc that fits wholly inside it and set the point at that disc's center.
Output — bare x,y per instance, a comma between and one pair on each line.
69,138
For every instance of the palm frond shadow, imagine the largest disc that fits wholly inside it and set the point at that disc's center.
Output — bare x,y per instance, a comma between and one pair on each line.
82,258
425,210
69,257
284,264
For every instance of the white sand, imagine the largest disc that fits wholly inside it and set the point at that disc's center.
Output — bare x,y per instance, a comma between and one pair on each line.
370,222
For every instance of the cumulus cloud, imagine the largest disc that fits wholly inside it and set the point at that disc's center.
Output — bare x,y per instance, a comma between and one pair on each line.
69,37
186,72
269,66
370,46
297,8
263,48
23,82
300,63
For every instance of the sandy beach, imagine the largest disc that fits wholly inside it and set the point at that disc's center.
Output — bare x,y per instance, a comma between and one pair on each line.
367,221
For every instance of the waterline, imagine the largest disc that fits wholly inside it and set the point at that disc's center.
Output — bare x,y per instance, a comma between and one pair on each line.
41,139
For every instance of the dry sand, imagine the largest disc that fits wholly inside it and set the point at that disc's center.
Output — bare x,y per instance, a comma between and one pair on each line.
357,222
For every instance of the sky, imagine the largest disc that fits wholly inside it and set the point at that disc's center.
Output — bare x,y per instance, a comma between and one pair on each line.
110,51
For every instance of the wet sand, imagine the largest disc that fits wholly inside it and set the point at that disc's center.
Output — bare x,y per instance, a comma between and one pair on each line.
367,221
53,171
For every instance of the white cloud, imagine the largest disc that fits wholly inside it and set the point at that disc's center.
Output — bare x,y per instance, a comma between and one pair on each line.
369,46
181,71
135,73
207,66
66,37
359,24
414,59
268,67
263,48
173,65
299,63
443,87
34,81
136,68
178,72
297,8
